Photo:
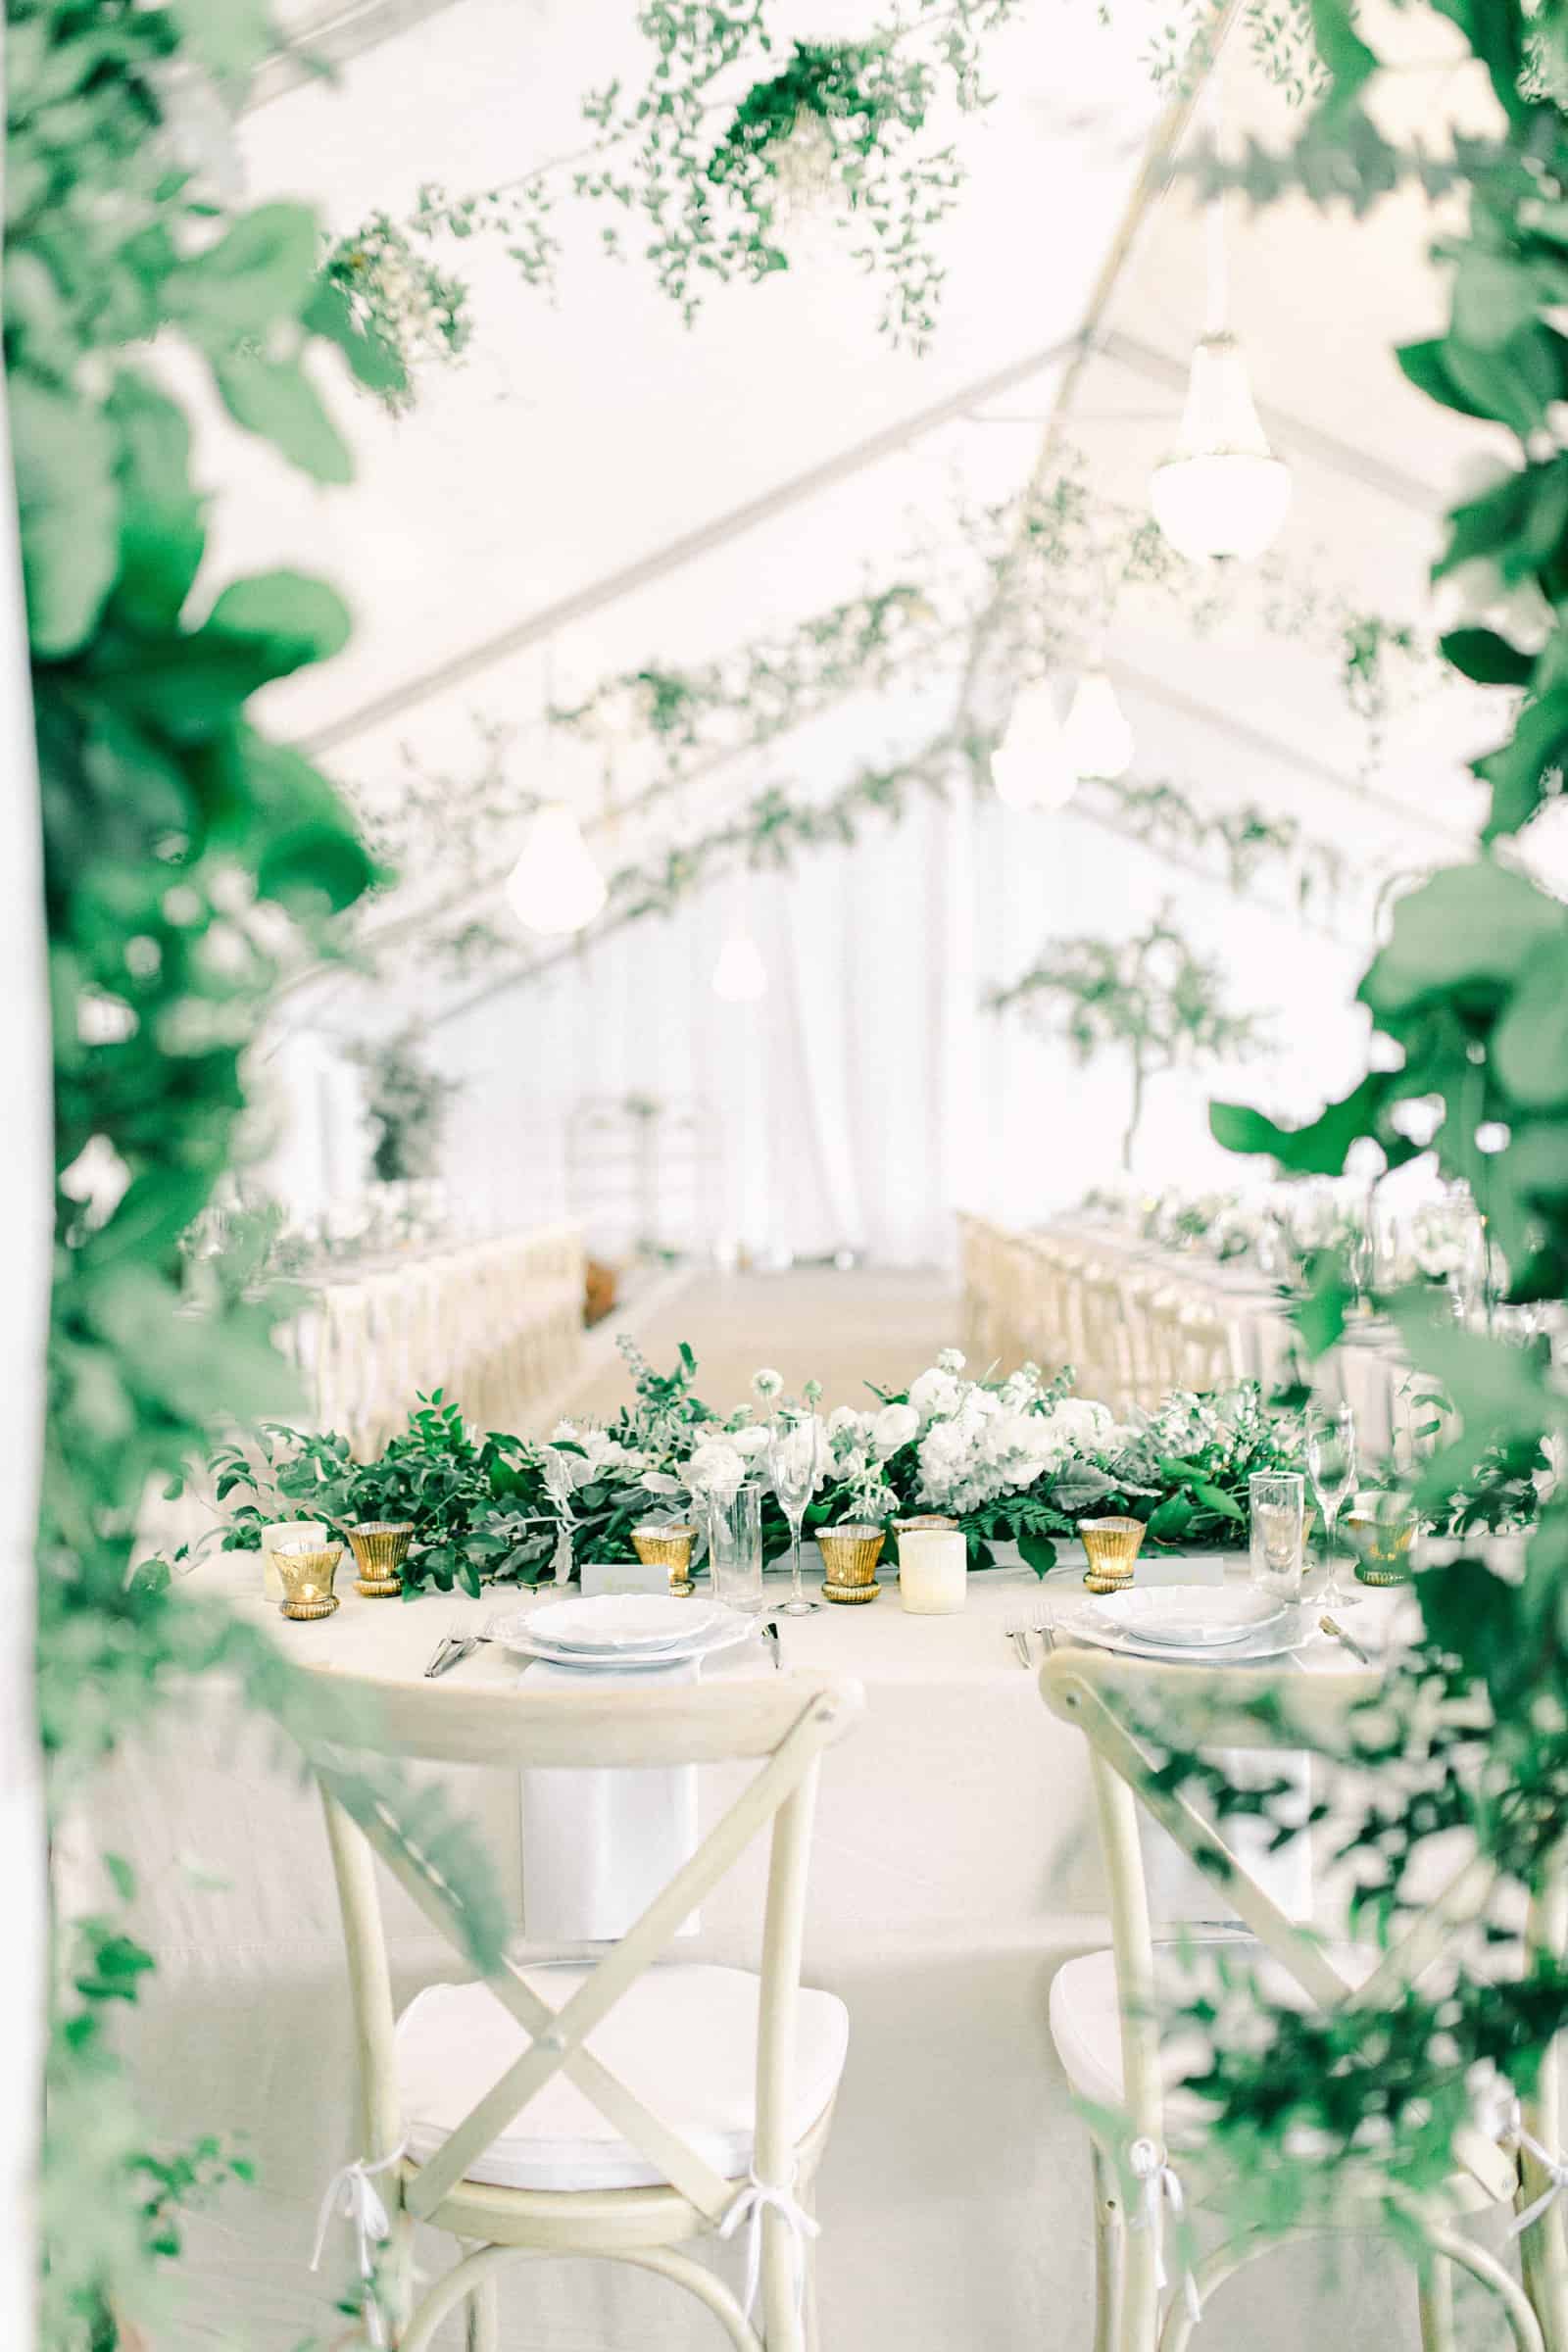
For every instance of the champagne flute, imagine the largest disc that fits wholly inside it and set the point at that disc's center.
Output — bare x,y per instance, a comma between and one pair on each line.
794,1464
1331,1462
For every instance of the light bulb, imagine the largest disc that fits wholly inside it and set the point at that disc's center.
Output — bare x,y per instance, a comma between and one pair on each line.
1098,736
555,887
1223,493
1030,765
740,976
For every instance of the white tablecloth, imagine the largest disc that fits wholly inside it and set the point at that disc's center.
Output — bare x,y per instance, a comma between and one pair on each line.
956,1867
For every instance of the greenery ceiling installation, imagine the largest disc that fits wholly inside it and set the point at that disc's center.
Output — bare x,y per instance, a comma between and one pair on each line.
1466,998
183,851
1151,999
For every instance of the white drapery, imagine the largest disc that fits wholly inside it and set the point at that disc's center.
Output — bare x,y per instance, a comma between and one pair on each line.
868,1095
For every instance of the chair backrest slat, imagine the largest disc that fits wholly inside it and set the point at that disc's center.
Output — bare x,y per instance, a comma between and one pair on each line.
800,1718
1127,1709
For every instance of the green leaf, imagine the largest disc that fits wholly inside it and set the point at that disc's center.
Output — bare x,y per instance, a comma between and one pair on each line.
1518,524
1349,62
161,536
67,511
228,39
1515,382
1518,769
1320,1317
122,1874
1169,1520
1317,1149
1493,300
261,271
276,399
1426,366
1486,658
303,620
1470,924
1038,1551
1530,1042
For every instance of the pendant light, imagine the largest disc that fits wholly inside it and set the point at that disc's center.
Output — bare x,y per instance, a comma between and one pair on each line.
555,887
740,976
1030,767
1098,736
1224,494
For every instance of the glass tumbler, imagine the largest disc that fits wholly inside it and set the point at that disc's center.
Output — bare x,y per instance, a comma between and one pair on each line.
1277,1502
735,1546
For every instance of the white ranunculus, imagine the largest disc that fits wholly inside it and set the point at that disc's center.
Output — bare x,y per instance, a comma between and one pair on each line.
934,1394
951,1359
766,1384
843,1417
894,1426
753,1442
718,1463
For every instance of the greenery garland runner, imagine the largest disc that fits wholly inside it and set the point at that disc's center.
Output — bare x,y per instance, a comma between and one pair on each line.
1467,1739
1013,1460
180,848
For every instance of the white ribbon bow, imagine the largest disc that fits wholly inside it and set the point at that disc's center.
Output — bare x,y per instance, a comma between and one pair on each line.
1554,2168
1159,2188
754,2200
353,2193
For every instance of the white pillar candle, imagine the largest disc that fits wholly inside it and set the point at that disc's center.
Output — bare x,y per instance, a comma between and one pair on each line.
933,1570
274,1537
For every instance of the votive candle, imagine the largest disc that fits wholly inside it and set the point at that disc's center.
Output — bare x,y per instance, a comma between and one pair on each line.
933,1570
274,1537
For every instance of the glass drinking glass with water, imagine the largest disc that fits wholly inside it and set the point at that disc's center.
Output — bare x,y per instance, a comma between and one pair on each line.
735,1546
794,1464
1277,1502
1331,1462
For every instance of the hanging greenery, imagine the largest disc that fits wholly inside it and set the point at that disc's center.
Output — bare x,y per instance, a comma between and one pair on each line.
399,298
180,846
1152,1000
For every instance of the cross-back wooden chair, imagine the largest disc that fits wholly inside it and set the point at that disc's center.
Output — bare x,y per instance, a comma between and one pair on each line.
1106,2024
521,2113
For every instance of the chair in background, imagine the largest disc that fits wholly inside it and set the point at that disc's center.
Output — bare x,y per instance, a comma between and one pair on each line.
620,2111
1103,2006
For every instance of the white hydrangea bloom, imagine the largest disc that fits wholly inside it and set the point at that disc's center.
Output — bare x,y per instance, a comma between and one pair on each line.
951,1359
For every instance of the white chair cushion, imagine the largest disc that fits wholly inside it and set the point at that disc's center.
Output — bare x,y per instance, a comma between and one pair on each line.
683,2038
1086,2013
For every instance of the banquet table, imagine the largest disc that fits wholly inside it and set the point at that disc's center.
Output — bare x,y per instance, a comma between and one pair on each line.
956,1867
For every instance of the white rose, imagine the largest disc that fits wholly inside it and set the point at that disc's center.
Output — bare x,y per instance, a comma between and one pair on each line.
718,1463
934,1394
1080,1422
951,1359
894,1426
751,1442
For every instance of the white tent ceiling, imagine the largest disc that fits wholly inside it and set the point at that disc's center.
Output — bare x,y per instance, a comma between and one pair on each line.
598,486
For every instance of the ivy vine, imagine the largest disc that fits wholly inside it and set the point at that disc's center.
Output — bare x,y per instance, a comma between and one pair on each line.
178,843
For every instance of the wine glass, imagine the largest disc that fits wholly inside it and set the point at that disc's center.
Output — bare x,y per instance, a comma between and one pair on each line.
794,1464
1331,1464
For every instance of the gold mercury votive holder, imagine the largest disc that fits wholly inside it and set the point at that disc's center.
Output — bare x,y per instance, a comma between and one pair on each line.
307,1571
1381,1537
849,1556
379,1547
667,1548
1110,1547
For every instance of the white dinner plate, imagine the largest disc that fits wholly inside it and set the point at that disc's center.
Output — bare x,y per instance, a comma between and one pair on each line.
1188,1616
1287,1629
609,1623
724,1628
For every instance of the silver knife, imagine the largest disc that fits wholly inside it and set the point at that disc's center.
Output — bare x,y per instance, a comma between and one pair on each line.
771,1641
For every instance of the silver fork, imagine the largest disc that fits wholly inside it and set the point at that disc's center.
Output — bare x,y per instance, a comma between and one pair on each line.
1018,1629
1043,1624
